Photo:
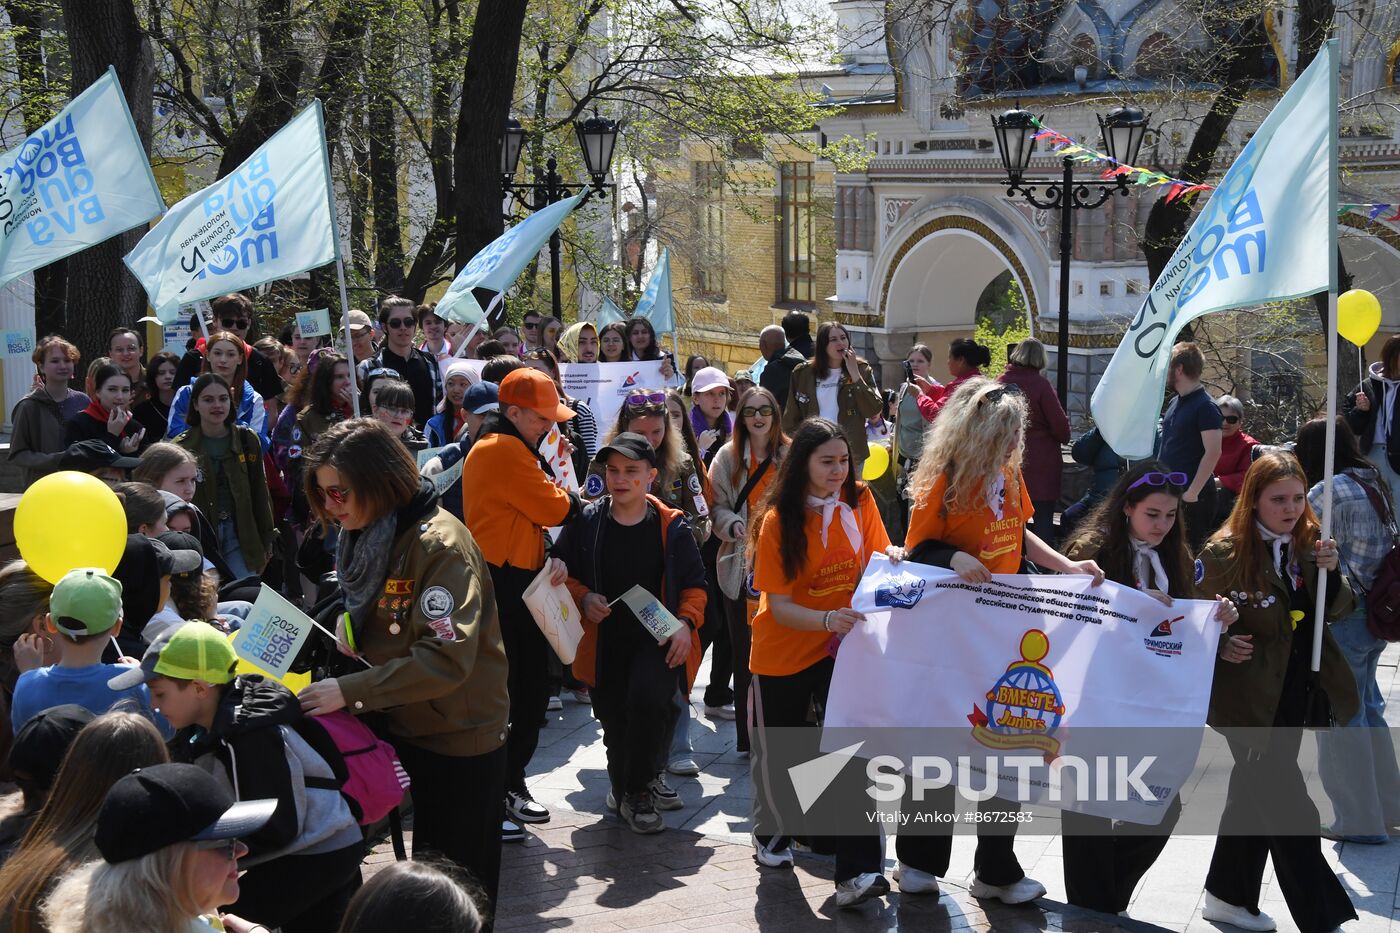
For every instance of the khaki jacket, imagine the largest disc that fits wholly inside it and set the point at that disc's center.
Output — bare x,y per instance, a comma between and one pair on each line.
435,643
1247,695
856,403
247,479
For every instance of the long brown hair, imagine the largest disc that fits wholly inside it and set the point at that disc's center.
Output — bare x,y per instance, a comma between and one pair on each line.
108,748
240,375
787,496
1247,567
1106,532
776,438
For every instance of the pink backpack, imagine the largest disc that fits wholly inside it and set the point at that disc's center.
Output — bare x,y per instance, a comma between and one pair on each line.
370,775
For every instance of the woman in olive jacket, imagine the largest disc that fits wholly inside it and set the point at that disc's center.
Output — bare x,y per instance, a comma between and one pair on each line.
421,610
835,385
1266,559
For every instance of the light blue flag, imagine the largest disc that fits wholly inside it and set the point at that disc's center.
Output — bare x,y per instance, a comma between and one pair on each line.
608,313
1262,236
79,179
270,218
497,266
655,303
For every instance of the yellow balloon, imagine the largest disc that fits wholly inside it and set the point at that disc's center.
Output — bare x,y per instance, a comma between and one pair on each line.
49,539
876,464
1358,315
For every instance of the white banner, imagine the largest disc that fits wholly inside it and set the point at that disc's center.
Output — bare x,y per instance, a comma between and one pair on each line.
603,386
1264,235
1049,666
273,634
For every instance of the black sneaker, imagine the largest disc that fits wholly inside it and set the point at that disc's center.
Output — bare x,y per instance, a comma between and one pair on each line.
663,795
522,808
512,831
639,813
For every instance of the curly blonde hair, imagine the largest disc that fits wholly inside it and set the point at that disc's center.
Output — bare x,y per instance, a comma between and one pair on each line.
967,443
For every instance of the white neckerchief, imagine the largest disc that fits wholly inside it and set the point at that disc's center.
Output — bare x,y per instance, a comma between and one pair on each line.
1147,566
834,504
996,496
1278,542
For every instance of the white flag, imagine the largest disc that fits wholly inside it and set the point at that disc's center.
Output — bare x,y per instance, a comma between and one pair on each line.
270,218
1262,236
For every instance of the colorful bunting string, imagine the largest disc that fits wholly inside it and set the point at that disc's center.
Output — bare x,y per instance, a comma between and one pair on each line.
1063,145
1373,211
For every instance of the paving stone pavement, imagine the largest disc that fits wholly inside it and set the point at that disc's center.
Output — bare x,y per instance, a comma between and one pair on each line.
585,871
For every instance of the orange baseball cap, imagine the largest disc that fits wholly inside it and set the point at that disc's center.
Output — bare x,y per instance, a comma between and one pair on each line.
532,389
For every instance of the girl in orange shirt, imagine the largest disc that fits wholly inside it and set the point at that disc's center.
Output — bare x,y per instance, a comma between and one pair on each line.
970,512
818,530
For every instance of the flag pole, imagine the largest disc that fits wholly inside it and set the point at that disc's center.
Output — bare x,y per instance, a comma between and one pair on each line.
1319,614
349,338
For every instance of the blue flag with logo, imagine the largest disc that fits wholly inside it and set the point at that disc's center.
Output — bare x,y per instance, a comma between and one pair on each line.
497,266
655,303
270,218
1263,236
608,313
81,178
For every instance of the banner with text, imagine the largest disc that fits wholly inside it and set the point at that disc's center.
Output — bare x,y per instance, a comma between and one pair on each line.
81,178
1262,236
270,218
603,386
1044,669
273,634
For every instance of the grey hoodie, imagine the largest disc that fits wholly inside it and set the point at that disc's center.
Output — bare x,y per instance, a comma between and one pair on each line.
37,442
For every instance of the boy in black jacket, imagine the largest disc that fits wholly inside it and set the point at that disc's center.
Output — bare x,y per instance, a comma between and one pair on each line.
304,863
624,539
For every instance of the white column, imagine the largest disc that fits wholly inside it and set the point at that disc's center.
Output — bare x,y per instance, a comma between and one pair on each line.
16,311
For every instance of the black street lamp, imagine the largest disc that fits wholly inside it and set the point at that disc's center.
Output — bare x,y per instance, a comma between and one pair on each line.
597,137
1123,130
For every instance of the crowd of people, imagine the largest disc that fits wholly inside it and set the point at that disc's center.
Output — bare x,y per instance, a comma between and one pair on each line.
160,788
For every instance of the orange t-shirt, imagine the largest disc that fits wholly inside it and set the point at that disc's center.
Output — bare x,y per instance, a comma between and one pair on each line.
996,542
760,488
827,580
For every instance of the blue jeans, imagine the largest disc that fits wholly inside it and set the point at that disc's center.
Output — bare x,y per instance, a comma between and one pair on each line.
233,550
1357,761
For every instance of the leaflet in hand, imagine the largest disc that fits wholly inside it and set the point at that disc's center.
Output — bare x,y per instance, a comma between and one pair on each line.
656,618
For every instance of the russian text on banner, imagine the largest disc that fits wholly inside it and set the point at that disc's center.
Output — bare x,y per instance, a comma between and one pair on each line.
270,218
604,386
1039,668
272,635
81,178
497,266
1262,236
655,304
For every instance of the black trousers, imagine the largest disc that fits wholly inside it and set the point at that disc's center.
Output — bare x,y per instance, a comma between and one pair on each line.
528,652
1200,517
458,805
301,893
632,699
1042,522
715,631
1316,899
736,616
995,859
784,701
1104,860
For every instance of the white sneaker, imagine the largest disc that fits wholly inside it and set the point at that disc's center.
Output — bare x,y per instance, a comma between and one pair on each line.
685,767
720,712
914,881
1220,912
1018,892
770,857
555,704
861,888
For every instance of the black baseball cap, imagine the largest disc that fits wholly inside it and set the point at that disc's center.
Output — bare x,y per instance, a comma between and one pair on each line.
162,805
631,445
43,740
86,456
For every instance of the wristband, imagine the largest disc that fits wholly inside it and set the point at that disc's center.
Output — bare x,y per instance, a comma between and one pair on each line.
826,619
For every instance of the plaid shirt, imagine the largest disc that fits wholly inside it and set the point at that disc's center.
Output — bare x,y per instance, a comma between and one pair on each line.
1362,538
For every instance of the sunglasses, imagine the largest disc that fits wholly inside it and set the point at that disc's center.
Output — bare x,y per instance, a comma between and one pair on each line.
399,322
532,325
646,398
1160,479
228,848
1229,419
396,412
997,394
336,494
236,323
748,411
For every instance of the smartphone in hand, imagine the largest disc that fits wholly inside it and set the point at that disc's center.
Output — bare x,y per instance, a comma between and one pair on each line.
908,371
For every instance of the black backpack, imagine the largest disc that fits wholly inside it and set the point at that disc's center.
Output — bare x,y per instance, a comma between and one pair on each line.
1383,599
